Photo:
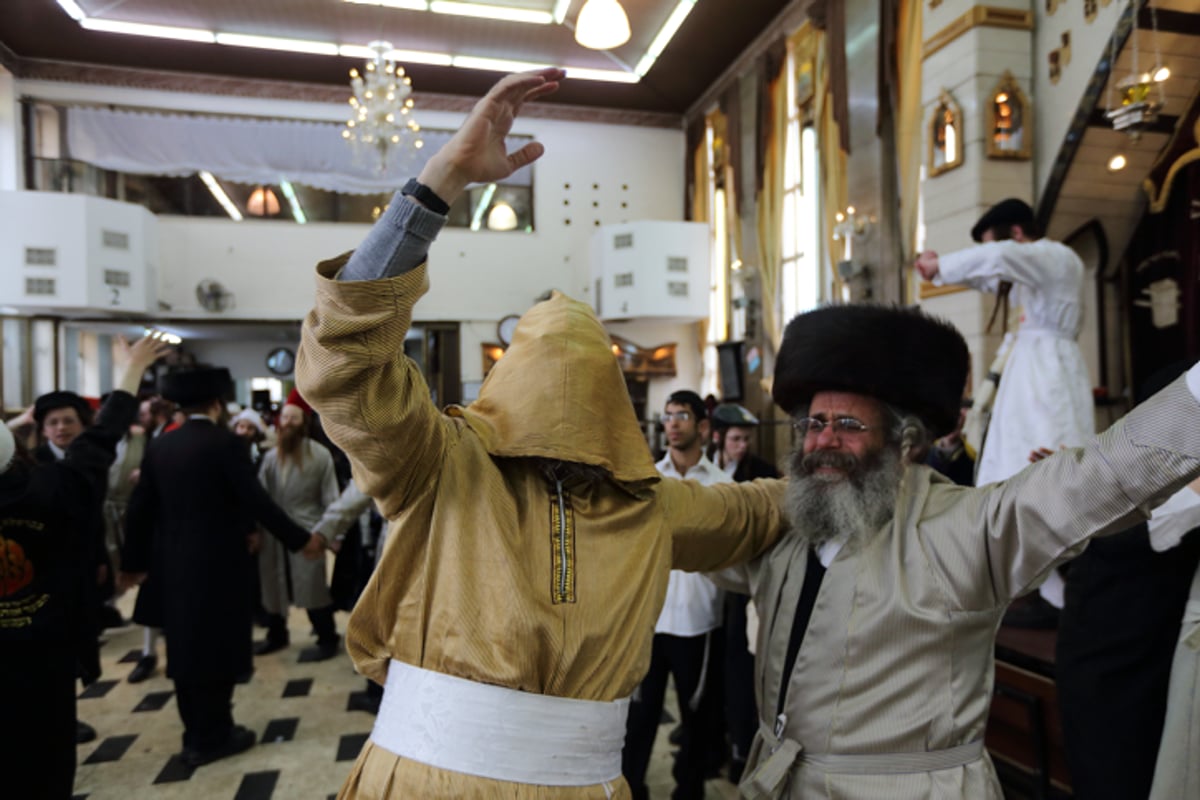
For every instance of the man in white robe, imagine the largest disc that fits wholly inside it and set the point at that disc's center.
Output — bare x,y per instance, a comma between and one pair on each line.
1044,397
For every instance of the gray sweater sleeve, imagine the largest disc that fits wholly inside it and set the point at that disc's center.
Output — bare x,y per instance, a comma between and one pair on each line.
398,242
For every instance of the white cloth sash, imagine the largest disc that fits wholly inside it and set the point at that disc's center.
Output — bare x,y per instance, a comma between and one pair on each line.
493,732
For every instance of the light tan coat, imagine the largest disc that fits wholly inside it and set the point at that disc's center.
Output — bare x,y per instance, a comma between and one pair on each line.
897,658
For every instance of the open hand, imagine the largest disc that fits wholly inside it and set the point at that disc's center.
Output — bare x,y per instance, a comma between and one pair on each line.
477,153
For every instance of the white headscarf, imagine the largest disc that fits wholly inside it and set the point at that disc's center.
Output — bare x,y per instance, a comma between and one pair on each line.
251,416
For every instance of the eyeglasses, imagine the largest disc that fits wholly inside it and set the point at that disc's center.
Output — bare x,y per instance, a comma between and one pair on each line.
840,425
680,416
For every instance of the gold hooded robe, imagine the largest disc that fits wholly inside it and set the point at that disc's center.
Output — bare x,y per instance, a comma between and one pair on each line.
480,577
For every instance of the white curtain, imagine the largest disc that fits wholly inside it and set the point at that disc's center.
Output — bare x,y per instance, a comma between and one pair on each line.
246,150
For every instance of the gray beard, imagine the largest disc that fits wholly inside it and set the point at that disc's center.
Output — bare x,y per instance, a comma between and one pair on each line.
856,506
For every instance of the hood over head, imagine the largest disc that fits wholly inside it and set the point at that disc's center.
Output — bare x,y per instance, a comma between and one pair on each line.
558,393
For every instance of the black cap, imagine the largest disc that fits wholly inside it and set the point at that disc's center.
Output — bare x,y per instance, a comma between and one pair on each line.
1007,212
731,415
197,386
52,401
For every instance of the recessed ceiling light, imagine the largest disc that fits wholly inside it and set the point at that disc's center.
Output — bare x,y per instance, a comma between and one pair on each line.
491,12
411,5
1117,163
277,43
155,31
664,36
1161,74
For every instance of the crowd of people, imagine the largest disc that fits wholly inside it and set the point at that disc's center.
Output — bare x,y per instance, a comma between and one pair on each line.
543,579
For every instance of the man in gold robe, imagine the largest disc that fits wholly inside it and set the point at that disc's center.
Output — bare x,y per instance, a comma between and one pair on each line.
531,538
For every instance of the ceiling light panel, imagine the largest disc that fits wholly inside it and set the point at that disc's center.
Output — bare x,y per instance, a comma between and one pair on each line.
491,12
276,43
154,31
408,5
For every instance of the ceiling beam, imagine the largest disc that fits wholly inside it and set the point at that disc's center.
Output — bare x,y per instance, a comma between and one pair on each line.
1169,21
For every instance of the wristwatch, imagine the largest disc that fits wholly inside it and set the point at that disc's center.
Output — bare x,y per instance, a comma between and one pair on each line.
426,196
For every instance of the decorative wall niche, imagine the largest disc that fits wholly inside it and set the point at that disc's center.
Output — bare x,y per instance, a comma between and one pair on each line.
945,151
1009,131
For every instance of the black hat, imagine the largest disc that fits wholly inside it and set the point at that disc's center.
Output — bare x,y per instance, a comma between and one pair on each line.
1007,212
197,386
899,355
728,415
52,401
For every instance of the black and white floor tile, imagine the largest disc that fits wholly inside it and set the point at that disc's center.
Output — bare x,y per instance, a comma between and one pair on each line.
307,737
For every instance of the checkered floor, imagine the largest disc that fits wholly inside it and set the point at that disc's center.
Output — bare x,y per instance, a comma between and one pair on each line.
307,738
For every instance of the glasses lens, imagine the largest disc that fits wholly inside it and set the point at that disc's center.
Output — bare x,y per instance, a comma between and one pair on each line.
809,425
848,425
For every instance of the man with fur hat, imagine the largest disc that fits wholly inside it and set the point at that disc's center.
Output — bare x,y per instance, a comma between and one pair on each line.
47,634
190,515
1044,397
879,609
512,612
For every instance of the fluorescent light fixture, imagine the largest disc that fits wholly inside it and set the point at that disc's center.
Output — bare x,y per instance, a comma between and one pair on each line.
491,12
485,200
495,64
560,10
219,194
290,194
411,5
72,8
140,29
665,34
276,43
399,56
610,75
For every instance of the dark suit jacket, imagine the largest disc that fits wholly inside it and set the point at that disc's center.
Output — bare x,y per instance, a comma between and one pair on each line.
752,467
188,517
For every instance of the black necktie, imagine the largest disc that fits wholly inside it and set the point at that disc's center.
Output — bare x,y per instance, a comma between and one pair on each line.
814,572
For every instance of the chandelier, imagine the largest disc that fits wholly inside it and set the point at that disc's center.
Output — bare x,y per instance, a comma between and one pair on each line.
382,105
1141,94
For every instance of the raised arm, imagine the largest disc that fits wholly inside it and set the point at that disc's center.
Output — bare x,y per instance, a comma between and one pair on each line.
714,527
1047,512
351,366
984,266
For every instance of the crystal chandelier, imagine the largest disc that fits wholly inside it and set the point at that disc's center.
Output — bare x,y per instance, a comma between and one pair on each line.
382,104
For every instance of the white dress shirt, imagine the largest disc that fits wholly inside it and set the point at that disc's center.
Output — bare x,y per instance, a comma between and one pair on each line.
693,604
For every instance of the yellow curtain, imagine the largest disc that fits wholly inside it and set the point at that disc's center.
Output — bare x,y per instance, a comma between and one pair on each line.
703,180
770,208
833,165
909,123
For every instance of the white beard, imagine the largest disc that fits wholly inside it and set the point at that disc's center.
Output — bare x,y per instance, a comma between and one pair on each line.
855,506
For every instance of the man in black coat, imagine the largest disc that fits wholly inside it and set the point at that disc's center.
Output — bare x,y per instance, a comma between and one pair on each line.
60,417
192,509
47,574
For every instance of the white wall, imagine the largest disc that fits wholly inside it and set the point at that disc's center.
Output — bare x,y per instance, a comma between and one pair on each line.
10,139
591,174
1056,103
